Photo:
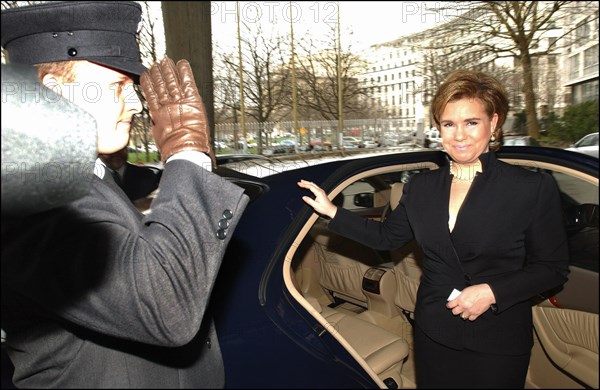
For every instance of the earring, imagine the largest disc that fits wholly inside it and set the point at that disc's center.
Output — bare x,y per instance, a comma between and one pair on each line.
494,143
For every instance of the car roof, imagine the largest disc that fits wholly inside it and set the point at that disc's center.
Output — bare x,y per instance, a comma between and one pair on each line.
263,166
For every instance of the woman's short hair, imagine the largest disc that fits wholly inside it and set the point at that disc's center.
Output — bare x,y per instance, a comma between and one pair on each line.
467,84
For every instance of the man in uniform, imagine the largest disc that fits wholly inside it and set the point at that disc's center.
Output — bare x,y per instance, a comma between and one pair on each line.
94,293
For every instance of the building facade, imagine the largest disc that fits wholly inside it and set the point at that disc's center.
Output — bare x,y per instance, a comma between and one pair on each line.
403,74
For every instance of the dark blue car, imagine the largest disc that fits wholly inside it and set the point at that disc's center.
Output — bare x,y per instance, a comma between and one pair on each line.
297,306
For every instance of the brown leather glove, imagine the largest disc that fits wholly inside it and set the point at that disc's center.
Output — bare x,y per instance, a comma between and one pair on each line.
178,115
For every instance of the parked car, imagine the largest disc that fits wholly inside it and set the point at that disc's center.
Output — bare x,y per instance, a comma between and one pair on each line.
287,143
289,302
433,138
350,145
370,144
348,141
519,140
587,144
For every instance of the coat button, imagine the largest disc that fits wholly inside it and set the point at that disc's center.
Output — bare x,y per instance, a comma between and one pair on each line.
227,214
72,52
223,224
221,234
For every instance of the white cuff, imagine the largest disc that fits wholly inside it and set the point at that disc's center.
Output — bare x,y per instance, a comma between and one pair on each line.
198,158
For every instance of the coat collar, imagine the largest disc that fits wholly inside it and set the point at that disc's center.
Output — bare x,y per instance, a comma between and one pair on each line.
488,161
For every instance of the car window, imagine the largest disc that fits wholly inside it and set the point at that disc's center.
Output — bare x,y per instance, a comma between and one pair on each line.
590,140
362,194
580,208
358,195
520,141
579,199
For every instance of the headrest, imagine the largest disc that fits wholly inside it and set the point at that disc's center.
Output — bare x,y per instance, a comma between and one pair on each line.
102,32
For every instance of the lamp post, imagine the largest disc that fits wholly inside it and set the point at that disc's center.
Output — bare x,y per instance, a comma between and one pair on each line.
293,63
242,109
340,132
236,107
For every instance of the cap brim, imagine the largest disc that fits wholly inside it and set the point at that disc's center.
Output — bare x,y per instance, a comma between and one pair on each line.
121,64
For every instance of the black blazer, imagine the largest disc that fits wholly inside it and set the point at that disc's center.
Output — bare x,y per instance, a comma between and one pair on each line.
509,233
95,294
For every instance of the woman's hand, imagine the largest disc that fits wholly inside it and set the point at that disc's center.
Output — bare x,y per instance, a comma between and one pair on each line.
321,203
472,302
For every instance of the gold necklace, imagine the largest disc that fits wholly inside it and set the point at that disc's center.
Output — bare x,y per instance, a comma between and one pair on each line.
456,170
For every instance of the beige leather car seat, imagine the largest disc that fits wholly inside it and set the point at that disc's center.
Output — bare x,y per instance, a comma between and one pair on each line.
343,263
407,264
383,351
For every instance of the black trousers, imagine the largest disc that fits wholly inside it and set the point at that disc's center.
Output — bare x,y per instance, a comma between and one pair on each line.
438,366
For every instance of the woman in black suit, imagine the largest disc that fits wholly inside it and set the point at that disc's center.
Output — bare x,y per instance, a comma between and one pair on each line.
494,240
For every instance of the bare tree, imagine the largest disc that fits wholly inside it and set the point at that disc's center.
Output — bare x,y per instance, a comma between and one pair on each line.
318,80
440,58
266,80
147,40
487,31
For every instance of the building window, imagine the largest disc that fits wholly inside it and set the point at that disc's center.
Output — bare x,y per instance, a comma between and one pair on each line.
552,43
584,92
574,66
590,60
582,33
590,90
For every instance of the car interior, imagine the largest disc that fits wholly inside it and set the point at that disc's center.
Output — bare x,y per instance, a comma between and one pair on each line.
366,298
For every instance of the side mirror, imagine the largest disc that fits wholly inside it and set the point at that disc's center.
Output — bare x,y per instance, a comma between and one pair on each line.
364,199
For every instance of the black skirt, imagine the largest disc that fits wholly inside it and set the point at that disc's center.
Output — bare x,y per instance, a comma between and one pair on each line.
438,366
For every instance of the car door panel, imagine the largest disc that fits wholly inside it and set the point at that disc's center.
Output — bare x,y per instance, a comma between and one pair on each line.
570,339
565,353
566,326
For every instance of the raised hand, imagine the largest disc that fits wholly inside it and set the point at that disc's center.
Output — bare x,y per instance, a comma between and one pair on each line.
321,203
178,115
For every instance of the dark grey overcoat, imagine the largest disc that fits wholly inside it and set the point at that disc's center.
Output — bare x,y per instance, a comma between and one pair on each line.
96,294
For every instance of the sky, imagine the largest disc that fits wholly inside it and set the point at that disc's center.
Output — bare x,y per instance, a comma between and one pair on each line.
362,23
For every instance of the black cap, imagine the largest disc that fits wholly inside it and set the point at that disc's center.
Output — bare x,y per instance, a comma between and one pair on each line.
102,32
